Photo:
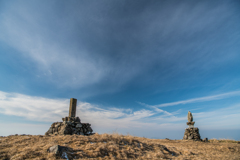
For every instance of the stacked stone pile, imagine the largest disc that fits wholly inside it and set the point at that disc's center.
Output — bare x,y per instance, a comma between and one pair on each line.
192,133
71,124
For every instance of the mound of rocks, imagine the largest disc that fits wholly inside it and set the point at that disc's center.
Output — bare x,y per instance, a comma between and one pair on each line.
70,126
192,133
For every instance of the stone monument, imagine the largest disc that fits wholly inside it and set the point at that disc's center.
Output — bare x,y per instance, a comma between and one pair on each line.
191,132
71,124
72,107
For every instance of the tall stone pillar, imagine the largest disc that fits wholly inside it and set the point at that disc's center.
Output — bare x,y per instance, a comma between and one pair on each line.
72,107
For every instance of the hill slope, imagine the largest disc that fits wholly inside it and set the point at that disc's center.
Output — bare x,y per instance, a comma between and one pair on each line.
114,146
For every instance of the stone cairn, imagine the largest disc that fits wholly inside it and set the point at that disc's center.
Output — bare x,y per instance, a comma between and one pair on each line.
71,124
191,132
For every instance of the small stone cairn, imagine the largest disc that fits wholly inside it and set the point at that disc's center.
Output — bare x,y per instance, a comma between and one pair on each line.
191,132
71,124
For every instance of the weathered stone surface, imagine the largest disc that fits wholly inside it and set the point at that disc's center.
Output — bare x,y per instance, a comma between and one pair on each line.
185,137
190,137
56,149
79,125
61,152
72,107
72,126
192,133
190,117
81,133
190,123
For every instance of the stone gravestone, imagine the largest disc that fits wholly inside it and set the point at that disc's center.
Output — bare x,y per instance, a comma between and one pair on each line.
191,132
71,124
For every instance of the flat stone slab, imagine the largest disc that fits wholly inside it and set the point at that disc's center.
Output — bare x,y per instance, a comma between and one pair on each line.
190,123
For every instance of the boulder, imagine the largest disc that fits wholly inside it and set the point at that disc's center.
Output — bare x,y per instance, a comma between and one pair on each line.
56,149
79,125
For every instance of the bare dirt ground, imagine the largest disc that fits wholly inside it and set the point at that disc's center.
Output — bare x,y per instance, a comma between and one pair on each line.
115,146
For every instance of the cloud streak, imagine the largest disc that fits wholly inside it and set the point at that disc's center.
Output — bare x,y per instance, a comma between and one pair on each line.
151,123
195,100
50,110
103,120
45,109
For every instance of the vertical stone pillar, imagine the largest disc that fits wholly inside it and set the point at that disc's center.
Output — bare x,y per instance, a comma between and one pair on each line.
72,107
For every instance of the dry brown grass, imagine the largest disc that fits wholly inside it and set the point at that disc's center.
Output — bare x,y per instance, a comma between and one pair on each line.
115,146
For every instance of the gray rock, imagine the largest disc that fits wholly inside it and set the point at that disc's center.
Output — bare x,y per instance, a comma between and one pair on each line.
67,129
69,126
79,125
89,129
77,119
190,117
192,133
57,149
185,137
50,131
81,133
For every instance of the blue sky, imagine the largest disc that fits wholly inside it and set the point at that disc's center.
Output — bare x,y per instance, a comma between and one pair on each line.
135,67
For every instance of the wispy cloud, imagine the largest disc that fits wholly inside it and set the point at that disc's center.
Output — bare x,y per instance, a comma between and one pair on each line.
54,62
143,122
50,110
102,119
195,100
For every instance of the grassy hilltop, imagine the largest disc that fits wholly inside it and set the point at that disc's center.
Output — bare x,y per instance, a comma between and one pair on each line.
114,146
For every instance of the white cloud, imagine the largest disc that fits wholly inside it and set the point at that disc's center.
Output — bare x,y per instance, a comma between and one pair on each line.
195,100
143,122
45,109
51,110
32,108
